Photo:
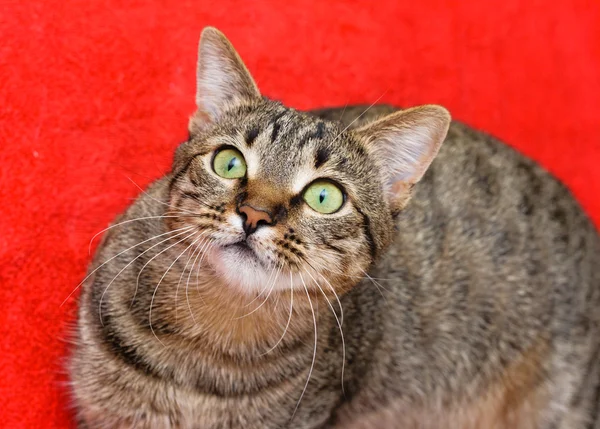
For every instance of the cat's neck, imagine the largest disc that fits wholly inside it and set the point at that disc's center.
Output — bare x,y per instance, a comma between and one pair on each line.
228,321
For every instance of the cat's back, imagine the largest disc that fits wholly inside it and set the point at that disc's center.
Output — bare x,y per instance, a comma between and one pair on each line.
497,243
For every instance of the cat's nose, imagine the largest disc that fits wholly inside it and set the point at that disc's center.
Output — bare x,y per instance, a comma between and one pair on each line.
253,218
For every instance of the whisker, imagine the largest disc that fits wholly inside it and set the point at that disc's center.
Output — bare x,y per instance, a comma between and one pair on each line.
162,202
126,222
343,111
359,116
338,322
130,171
137,283
372,279
315,348
119,254
183,271
202,252
198,252
263,289
341,273
308,261
289,318
125,267
377,285
266,299
162,278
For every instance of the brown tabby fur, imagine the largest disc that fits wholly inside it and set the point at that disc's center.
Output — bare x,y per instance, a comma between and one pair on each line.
481,307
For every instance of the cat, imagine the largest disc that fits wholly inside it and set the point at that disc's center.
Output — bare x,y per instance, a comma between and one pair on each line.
359,267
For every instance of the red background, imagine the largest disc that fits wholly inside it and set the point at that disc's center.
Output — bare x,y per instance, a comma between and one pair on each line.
93,92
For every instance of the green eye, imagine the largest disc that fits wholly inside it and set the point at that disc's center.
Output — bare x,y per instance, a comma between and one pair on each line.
230,164
324,197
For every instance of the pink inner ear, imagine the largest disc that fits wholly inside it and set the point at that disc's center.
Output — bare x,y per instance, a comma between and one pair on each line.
406,142
400,187
406,158
422,165
399,195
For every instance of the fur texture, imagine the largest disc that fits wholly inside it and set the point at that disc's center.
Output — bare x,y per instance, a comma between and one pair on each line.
480,309
96,92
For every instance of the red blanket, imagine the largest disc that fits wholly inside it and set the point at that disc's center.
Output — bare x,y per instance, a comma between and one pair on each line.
95,93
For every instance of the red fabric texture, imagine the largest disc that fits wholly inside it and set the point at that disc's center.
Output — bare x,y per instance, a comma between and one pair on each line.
95,93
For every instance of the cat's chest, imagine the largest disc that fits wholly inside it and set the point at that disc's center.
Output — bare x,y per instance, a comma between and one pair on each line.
250,412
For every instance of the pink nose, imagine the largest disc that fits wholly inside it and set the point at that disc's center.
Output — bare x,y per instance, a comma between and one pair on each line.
253,218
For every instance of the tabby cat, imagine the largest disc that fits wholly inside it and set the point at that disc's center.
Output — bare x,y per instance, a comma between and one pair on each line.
318,270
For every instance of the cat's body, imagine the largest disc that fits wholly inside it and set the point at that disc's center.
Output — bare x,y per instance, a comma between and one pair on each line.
496,296
483,310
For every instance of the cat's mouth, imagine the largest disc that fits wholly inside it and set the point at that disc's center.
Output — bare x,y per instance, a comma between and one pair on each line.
243,251
241,265
243,248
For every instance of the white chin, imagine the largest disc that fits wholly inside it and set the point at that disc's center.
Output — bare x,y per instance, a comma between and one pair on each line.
242,269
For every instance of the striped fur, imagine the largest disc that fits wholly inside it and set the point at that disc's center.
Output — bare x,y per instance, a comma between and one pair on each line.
481,307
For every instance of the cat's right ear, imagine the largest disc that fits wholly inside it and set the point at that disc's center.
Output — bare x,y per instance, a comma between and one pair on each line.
222,79
404,144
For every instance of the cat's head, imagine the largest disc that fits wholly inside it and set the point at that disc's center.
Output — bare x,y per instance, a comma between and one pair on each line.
284,199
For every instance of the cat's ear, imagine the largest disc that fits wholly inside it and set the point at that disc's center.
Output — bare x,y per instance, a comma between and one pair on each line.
403,144
222,79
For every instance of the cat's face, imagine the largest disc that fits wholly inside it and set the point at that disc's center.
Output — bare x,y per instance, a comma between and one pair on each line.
282,199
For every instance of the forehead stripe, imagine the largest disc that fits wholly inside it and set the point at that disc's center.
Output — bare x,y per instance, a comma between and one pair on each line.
276,126
251,135
322,156
316,134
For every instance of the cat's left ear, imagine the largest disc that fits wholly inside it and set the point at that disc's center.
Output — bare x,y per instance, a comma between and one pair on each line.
404,144
222,79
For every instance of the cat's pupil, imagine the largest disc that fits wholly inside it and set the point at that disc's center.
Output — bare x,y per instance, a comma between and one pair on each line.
232,163
322,196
